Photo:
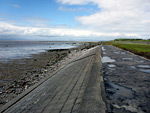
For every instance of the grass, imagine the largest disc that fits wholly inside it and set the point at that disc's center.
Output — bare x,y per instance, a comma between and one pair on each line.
133,40
136,48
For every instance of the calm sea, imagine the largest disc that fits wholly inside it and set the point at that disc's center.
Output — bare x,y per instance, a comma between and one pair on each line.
10,50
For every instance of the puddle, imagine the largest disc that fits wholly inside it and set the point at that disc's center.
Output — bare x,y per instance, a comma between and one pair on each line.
122,91
143,66
104,52
123,53
112,69
145,70
116,52
111,65
103,49
132,67
106,59
122,99
131,108
139,61
127,58
118,91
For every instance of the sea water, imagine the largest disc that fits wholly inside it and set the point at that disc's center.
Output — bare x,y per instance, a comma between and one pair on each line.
10,50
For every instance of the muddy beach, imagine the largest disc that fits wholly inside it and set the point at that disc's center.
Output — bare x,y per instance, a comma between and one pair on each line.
18,75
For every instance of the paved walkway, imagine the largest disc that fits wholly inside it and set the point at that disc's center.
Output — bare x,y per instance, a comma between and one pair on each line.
127,81
78,87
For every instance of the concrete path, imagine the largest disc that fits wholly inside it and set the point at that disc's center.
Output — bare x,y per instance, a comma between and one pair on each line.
78,87
127,81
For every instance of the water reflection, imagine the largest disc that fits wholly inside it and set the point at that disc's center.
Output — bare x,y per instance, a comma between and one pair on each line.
106,59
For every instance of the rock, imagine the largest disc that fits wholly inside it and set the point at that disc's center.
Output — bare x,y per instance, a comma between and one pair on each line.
2,102
110,92
18,91
37,76
45,70
47,64
26,87
34,71
41,72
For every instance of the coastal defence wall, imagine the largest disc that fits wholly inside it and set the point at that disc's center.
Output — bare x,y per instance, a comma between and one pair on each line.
76,87
94,99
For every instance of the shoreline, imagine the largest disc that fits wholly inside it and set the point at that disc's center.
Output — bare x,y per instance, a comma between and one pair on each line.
20,74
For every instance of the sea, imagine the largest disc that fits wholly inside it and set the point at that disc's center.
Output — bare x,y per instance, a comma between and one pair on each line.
10,50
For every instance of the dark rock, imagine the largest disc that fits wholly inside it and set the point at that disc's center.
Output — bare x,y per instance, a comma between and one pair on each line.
47,64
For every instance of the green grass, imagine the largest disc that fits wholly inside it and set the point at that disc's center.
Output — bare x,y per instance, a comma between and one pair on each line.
131,46
133,40
135,47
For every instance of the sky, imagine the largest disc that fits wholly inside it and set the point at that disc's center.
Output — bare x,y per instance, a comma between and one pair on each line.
74,20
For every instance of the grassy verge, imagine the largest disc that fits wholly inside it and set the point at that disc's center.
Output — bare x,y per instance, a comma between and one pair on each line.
140,49
133,40
135,47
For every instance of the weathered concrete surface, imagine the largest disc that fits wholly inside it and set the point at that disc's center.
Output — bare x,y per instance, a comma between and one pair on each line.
127,81
78,87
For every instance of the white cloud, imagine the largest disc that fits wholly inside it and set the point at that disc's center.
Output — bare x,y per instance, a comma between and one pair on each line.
10,30
115,15
78,2
62,8
115,19
6,28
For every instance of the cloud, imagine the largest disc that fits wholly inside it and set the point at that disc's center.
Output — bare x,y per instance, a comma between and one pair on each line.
16,6
115,19
61,8
7,29
115,15
78,2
